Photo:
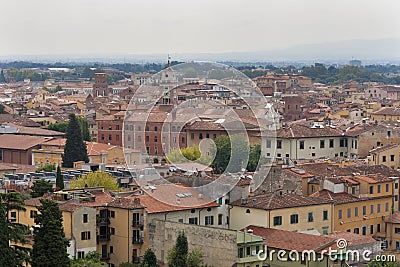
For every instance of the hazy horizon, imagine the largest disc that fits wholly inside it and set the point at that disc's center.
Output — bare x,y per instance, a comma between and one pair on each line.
126,27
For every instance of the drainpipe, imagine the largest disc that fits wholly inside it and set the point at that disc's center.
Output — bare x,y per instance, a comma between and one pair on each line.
129,226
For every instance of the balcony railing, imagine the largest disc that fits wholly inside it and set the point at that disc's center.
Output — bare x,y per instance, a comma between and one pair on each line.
137,223
136,259
137,240
102,220
105,256
105,237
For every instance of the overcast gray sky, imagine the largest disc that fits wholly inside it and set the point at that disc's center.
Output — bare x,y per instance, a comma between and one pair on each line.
183,26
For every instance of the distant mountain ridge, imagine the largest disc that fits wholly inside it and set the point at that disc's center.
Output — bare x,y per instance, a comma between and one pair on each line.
380,49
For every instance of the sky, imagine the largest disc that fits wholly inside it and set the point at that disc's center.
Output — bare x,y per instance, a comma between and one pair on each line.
51,27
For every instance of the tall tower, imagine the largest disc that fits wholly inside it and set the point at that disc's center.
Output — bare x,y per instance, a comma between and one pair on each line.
100,87
168,82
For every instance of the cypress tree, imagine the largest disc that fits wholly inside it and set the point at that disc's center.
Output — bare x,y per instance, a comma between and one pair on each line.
59,179
177,256
149,259
75,147
50,245
11,231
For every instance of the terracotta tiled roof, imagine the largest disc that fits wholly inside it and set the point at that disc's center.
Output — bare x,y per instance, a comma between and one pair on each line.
20,142
383,148
394,218
287,240
392,111
101,199
273,201
373,178
125,202
297,130
205,126
338,198
352,238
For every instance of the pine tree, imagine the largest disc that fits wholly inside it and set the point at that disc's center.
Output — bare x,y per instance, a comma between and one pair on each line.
2,78
59,179
50,245
75,148
149,259
177,256
11,231
41,187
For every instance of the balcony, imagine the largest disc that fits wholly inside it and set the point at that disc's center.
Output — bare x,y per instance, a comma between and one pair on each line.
105,256
248,259
102,220
137,240
105,237
136,259
138,223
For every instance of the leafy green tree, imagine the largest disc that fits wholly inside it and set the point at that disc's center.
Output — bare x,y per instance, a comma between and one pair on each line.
92,259
63,127
231,153
188,154
177,255
59,126
75,148
195,258
41,187
59,179
50,245
375,263
12,232
149,259
94,179
127,264
48,167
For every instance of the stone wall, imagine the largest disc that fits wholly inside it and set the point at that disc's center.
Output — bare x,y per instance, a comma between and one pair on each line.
218,245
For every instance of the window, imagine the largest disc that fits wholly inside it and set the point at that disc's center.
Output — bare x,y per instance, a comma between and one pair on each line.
33,213
147,138
340,215
371,229
214,136
110,137
220,216
378,227
200,135
391,157
312,154
180,220
321,143
301,144
117,137
13,217
155,128
325,215
279,144
356,211
112,230
379,188
1,154
192,135
343,142
269,143
294,218
116,127
310,217
383,158
378,208
396,186
372,209
111,249
387,206
85,235
387,187
331,143
102,137
156,150
348,213
209,220
112,214
371,189
139,138
356,230
155,139
240,253
193,220
85,218
81,254
364,210
277,220
397,230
